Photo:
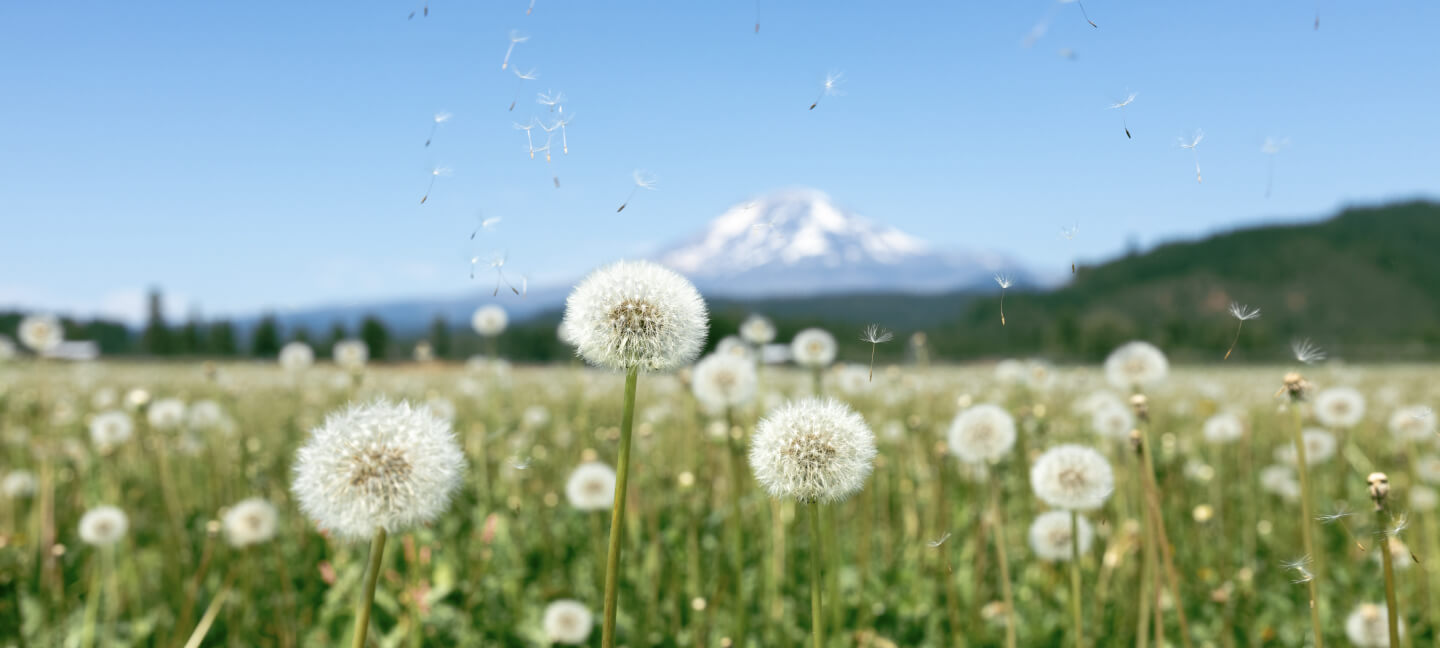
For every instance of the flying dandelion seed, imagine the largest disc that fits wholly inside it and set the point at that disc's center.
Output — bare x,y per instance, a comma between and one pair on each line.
1194,146
544,149
530,8
551,100
486,224
1340,513
1069,234
1083,13
529,141
521,463
520,79
1270,148
1307,352
1120,105
934,544
515,39
497,263
757,16
560,125
831,87
1243,313
1005,282
643,180
435,172
423,8
440,118
875,336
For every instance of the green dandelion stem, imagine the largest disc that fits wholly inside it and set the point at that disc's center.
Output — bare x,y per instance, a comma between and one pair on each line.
1297,425
617,512
367,595
817,619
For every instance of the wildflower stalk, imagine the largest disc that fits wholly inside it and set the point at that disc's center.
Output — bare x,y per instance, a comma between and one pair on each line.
1379,492
617,516
817,621
1305,517
1160,539
208,618
367,595
1074,583
737,475
92,604
1006,595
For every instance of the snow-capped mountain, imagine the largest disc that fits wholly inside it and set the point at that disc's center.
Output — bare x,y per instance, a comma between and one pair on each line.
797,241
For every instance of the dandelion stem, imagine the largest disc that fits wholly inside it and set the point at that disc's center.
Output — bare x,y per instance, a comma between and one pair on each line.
817,621
1234,341
872,362
617,516
92,603
1162,540
1305,520
1002,308
1006,596
737,476
1074,582
1392,613
208,618
367,595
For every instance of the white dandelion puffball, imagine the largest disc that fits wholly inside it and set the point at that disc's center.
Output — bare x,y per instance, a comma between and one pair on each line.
722,380
204,414
1320,446
1050,536
1136,365
1368,626
41,333
982,433
103,526
250,522
814,450
7,348
18,484
591,487
564,334
567,622
1010,371
731,345
1072,477
1280,480
1223,428
757,330
1415,423
165,413
111,428
377,465
637,315
296,356
1340,407
350,355
813,348
1113,420
489,320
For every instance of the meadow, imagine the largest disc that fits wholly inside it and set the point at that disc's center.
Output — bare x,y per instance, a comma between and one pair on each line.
926,553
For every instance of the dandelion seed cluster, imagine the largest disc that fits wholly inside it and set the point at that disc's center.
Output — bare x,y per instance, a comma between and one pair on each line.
1223,428
1339,407
591,487
1320,446
757,330
490,320
1113,420
296,356
41,333
1136,365
813,348
567,622
166,414
111,429
724,380
103,526
350,355
250,522
1050,536
1072,477
1367,626
377,465
982,433
18,484
812,450
1414,423
636,315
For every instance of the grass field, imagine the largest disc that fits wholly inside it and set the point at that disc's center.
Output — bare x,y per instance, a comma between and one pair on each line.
915,558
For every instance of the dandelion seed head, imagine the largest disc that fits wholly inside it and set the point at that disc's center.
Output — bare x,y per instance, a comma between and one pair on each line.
1003,279
724,380
1367,626
1339,407
1280,480
296,356
250,522
350,355
757,330
812,450
1113,420
832,82
1050,536
1414,423
1223,428
1243,313
637,314
41,333
644,179
525,76
1136,365
165,413
935,544
1070,232
813,347
1320,447
982,433
103,526
1072,477
18,484
377,465
111,429
1129,98
1193,142
567,622
591,487
489,320
442,117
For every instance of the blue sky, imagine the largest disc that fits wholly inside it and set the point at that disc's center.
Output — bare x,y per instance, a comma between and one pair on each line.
270,155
